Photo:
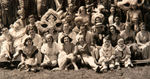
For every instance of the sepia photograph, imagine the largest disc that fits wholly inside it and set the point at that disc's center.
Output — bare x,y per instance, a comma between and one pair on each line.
74,39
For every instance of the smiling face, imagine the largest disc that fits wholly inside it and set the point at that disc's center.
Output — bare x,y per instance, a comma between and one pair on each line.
66,40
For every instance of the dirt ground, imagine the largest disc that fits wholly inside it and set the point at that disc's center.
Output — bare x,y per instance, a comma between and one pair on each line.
139,72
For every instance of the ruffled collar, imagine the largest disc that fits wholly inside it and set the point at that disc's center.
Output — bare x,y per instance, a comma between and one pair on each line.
120,48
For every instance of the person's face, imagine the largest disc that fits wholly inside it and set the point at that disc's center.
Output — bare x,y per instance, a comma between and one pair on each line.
66,40
98,29
81,39
97,20
16,27
68,18
32,34
49,39
112,29
5,31
78,23
143,27
107,43
117,19
71,7
133,7
127,27
32,20
82,28
66,28
121,43
29,42
83,11
112,9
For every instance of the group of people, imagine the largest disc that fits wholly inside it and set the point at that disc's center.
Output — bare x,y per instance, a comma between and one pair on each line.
103,34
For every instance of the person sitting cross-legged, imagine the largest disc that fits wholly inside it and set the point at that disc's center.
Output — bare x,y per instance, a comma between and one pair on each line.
123,55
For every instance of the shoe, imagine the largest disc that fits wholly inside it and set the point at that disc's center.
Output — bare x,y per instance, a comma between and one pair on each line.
104,70
111,69
98,69
118,68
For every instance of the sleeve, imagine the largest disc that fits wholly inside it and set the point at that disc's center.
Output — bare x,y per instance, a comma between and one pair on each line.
17,34
128,16
148,36
42,49
113,54
35,52
2,38
128,53
137,38
101,54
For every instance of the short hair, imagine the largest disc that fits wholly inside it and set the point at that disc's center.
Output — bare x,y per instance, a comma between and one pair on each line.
31,16
141,24
62,39
49,35
29,38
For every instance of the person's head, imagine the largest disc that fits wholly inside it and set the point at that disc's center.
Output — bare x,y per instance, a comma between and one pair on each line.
31,19
120,42
32,33
112,29
21,13
0,20
28,42
78,21
117,19
142,26
83,28
49,38
80,38
99,27
17,26
68,18
66,27
66,39
106,41
82,10
99,20
5,30
71,7
133,6
127,26
112,9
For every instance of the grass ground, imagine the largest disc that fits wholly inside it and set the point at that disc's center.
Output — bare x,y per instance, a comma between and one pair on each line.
138,72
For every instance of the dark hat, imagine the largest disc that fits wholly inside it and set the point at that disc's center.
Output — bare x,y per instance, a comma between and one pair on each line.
62,39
